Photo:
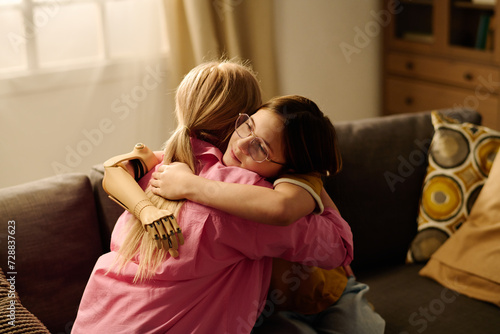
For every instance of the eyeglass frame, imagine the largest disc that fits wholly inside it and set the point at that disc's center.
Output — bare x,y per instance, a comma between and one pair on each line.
255,137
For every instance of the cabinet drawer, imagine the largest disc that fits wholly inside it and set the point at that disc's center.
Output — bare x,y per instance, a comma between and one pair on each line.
404,96
468,75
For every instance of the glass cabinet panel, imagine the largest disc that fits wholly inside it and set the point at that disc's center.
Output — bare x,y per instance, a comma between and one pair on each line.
414,22
471,24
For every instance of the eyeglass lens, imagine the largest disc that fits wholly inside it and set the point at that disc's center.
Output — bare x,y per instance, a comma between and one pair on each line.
256,148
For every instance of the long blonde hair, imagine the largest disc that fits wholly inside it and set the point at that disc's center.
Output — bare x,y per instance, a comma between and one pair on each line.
208,101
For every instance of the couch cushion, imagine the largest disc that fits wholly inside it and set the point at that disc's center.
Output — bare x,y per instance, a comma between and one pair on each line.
378,189
57,243
460,159
410,303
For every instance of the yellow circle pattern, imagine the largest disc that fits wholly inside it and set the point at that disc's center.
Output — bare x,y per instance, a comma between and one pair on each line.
441,198
486,152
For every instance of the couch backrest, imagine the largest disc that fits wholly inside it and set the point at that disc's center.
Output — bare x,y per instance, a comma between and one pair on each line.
57,242
378,190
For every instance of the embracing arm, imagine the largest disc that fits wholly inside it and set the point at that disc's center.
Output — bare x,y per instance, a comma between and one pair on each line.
121,174
282,206
323,240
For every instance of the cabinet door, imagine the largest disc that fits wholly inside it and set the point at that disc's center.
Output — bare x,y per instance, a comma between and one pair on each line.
405,95
416,26
456,28
471,26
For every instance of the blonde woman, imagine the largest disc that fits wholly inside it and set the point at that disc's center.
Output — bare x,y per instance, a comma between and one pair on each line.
208,101
219,282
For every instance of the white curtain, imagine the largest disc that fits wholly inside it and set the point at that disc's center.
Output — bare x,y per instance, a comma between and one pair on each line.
83,80
200,30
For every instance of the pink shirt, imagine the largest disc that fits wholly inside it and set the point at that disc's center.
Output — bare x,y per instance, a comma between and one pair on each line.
219,282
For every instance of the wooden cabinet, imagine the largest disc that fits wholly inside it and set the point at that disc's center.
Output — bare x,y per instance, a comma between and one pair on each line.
442,54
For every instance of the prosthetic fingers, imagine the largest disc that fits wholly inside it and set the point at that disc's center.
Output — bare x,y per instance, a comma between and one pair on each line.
122,188
161,226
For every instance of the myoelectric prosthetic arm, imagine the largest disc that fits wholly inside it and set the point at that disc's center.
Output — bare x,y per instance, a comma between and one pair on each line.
121,187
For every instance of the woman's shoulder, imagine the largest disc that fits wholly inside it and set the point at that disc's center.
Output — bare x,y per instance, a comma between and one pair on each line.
230,174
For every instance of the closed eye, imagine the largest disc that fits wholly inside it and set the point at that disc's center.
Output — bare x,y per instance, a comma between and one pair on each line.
262,147
249,127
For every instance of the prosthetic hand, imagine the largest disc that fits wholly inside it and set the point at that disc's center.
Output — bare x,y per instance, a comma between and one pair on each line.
161,225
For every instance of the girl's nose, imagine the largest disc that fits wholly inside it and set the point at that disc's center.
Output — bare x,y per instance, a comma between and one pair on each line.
244,143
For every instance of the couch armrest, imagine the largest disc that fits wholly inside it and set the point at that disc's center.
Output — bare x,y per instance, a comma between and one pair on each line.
57,243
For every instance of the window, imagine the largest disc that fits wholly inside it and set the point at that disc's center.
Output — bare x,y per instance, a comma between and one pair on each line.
43,35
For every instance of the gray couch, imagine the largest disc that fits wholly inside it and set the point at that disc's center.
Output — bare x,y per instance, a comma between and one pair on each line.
63,223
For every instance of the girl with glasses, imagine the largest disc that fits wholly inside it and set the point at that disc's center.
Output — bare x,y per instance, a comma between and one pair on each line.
291,141
219,280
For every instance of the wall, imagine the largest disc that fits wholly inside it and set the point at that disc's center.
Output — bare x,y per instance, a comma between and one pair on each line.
329,51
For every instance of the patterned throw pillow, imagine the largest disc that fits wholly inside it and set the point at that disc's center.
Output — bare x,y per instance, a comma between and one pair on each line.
460,159
468,262
15,318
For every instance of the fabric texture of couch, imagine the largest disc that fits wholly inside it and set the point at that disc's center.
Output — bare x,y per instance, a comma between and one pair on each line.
61,225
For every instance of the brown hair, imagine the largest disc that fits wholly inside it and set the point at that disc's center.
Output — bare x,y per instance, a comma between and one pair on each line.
310,137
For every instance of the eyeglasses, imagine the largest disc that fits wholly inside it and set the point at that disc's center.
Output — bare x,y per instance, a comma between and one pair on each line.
257,149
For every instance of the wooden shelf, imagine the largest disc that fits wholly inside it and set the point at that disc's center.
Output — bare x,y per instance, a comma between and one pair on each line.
417,2
433,58
470,5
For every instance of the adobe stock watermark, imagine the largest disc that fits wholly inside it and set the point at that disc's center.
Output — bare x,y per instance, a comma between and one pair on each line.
11,273
67,328
121,109
417,157
482,92
363,37
41,18
407,165
293,278
429,313
225,6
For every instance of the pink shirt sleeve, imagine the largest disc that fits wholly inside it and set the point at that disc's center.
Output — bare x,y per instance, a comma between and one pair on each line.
316,240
